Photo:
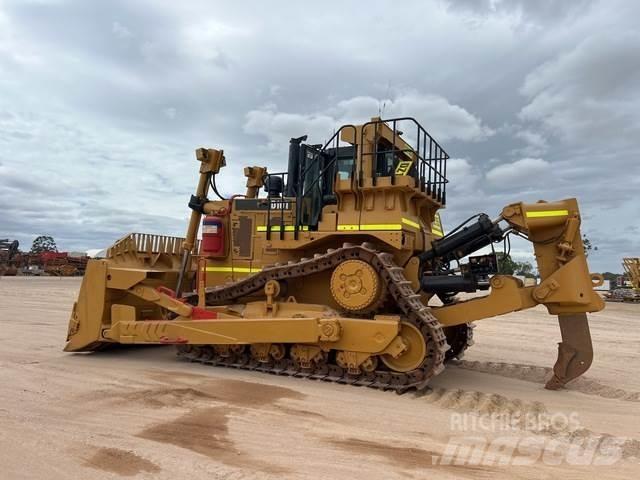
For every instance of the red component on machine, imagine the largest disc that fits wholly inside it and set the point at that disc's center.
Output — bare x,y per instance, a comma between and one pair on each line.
213,244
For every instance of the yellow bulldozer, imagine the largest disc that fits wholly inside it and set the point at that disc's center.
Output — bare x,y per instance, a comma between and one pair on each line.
339,271
631,266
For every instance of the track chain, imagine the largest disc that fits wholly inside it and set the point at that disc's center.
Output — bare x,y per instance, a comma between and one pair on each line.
408,302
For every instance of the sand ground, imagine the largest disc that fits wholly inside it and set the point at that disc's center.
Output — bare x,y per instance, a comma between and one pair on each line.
142,413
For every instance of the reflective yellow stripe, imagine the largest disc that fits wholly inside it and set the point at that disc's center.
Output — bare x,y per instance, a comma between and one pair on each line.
233,269
373,226
276,228
436,226
411,223
381,226
548,213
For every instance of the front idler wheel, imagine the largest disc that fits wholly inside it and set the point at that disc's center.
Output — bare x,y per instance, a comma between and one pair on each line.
414,354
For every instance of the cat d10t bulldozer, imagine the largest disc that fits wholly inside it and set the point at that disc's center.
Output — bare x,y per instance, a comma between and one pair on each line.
331,273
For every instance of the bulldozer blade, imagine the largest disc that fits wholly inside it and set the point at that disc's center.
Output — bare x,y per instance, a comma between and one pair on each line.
575,352
85,323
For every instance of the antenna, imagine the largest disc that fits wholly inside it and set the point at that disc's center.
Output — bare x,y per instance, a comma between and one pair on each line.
381,110
384,104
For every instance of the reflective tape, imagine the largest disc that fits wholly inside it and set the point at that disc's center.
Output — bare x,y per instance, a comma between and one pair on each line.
548,213
371,226
411,223
436,226
381,226
378,226
287,228
234,269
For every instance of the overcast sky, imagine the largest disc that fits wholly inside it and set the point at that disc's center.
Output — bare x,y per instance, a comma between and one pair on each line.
103,103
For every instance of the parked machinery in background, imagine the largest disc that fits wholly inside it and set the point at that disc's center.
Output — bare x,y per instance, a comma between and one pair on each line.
629,288
9,254
59,264
64,264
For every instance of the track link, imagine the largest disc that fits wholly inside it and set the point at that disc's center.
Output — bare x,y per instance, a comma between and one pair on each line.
408,302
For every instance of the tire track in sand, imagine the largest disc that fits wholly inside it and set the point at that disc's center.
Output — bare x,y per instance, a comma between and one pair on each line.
536,374
481,403
518,414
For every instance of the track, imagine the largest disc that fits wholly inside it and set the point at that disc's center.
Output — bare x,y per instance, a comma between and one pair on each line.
407,301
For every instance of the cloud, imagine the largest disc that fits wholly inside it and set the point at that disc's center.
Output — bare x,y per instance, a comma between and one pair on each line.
88,188
103,103
442,119
170,112
536,143
203,40
462,174
120,31
523,172
540,12
464,190
588,93
274,90
465,184
278,127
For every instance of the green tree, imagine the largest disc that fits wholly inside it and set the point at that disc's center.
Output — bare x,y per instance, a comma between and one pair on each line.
506,264
525,269
588,246
611,276
509,266
44,243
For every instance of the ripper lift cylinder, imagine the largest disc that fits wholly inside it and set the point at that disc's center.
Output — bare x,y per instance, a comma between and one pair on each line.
466,241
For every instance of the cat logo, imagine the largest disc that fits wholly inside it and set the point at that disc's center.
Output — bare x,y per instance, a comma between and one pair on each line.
404,167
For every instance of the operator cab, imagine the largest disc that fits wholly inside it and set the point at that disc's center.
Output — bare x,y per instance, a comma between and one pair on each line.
376,154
